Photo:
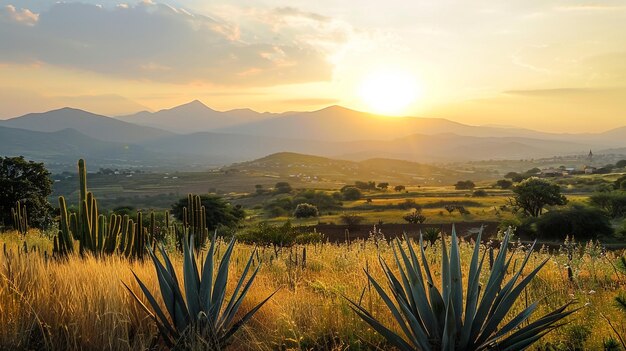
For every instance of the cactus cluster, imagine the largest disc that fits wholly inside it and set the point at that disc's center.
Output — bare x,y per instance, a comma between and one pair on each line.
97,234
20,219
193,224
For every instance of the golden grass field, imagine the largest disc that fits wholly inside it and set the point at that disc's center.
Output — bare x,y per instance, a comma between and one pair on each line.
81,303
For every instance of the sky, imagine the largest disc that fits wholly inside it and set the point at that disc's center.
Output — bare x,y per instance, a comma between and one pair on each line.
548,65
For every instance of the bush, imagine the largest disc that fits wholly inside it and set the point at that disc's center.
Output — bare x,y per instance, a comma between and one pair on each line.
282,188
578,221
464,185
305,210
479,193
504,184
415,217
351,193
351,220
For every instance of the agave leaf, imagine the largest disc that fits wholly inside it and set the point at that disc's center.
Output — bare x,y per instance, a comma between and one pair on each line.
206,283
236,298
190,275
165,332
245,319
394,310
507,302
171,294
445,272
421,306
525,343
219,290
448,339
493,287
155,306
393,338
473,291
456,282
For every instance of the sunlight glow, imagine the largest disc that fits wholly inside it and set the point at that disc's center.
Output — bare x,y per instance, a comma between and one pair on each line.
389,92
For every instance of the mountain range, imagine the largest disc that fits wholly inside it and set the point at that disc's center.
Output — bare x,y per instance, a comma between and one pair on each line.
195,133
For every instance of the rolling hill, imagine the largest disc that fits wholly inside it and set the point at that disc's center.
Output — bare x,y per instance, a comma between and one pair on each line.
317,168
87,123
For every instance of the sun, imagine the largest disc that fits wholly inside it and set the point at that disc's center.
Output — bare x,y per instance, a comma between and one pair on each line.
389,92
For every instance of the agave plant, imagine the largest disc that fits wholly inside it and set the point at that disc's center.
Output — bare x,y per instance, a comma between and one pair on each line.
438,319
202,319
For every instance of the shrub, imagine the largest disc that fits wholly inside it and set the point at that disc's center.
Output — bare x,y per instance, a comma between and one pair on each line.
218,211
578,221
464,185
351,220
504,184
351,193
415,217
282,188
479,193
305,210
399,188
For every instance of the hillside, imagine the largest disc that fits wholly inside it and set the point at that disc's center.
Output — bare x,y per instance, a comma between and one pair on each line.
66,146
322,169
90,124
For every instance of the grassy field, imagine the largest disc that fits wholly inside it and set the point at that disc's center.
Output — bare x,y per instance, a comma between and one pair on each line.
80,303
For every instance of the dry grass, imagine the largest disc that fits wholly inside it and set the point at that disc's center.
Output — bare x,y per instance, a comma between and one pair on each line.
80,303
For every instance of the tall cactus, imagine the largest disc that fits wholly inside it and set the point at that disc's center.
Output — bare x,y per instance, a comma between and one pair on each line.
194,223
97,235
20,219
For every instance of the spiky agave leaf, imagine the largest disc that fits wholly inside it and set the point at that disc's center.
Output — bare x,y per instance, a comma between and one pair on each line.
200,312
432,318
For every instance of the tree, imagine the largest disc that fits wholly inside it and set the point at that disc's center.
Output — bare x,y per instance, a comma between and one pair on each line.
383,186
464,185
533,195
218,211
351,193
504,184
415,217
305,210
399,188
620,164
29,183
282,188
479,193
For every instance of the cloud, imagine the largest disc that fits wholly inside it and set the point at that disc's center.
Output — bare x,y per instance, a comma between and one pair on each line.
157,42
22,16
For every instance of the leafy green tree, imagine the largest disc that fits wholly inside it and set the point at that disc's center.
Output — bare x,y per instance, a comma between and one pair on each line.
464,185
533,195
218,211
399,188
29,183
620,164
351,219
282,188
383,186
612,203
351,193
305,210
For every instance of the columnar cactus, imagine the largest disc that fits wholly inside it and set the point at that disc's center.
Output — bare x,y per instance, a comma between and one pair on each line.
20,219
97,235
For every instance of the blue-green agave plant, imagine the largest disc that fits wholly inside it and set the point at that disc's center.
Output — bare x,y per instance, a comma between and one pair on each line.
202,318
440,319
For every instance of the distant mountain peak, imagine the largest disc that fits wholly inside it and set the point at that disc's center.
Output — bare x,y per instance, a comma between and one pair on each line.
195,105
